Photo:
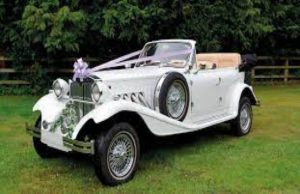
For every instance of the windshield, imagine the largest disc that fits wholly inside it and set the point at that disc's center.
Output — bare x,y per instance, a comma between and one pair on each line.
162,49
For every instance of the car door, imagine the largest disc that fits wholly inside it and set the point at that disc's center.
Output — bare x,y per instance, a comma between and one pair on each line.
204,95
228,77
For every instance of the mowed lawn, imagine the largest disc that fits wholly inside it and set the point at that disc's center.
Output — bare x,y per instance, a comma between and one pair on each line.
212,161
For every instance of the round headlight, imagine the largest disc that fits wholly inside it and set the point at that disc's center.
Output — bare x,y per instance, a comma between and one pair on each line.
60,88
57,88
96,93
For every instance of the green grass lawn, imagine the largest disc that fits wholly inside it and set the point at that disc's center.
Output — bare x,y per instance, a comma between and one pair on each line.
265,161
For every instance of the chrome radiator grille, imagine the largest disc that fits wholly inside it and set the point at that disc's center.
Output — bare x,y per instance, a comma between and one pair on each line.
82,91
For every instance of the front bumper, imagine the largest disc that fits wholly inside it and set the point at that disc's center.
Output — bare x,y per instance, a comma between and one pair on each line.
85,147
257,103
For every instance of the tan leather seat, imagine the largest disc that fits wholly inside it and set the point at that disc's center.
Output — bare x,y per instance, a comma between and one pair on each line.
205,65
221,59
177,63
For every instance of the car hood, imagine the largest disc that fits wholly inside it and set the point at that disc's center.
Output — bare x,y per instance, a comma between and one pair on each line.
131,73
134,80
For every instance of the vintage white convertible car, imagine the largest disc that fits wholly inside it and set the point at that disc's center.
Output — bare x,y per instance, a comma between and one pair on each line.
167,89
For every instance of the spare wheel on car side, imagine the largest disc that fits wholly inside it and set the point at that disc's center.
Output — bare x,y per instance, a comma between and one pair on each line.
172,96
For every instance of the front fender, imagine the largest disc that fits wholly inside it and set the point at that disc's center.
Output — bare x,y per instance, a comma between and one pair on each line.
238,90
156,122
50,107
105,111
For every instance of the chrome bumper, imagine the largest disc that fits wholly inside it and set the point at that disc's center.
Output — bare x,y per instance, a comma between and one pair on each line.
85,147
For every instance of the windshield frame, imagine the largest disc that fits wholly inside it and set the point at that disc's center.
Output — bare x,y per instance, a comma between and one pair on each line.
192,43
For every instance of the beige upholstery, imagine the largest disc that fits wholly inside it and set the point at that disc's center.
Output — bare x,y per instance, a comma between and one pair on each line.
205,65
177,63
220,59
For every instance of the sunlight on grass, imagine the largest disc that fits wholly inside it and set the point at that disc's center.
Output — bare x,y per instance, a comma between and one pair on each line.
213,161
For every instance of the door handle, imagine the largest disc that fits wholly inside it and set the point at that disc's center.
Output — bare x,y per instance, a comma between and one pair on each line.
219,81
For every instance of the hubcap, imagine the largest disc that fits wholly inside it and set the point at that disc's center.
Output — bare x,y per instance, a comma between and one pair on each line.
176,99
245,117
121,155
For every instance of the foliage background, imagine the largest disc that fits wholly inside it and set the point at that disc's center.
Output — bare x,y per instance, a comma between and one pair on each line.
52,29
37,28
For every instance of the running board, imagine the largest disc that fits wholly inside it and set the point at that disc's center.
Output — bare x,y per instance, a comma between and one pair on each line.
166,126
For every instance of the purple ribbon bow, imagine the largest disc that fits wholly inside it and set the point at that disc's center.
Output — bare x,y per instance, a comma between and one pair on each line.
81,69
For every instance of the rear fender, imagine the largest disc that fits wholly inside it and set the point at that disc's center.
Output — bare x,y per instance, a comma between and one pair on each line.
240,90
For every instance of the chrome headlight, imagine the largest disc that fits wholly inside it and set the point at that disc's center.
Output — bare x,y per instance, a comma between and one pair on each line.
100,93
96,93
60,88
57,88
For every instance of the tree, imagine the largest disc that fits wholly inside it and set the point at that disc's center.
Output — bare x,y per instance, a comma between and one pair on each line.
53,29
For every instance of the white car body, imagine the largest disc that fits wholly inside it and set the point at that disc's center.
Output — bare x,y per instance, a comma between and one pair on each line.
214,99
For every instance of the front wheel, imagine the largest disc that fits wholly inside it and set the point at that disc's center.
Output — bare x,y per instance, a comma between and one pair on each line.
117,153
243,122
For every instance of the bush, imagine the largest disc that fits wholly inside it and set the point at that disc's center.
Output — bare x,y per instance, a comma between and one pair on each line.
53,29
35,30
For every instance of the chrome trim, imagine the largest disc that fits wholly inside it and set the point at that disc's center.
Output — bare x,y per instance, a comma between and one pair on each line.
93,77
142,99
125,96
61,88
81,90
92,93
85,147
157,91
191,42
33,131
136,97
117,97
139,98
257,103
82,101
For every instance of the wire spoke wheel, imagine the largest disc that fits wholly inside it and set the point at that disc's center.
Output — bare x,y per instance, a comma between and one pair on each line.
245,117
121,154
242,123
172,97
117,154
176,99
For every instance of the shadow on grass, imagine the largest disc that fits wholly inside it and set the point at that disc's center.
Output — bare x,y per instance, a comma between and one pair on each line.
210,134
160,149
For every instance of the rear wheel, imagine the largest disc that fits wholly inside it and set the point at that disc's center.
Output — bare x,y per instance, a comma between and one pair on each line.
117,153
42,149
243,122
